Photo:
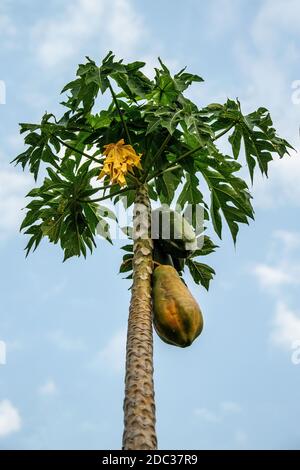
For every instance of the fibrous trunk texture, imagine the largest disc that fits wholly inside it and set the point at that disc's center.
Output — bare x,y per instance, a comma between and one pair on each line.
139,405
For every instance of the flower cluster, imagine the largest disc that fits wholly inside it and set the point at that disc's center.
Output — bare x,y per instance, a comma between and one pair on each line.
120,159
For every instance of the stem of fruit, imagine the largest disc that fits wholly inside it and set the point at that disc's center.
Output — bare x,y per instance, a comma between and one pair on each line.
120,114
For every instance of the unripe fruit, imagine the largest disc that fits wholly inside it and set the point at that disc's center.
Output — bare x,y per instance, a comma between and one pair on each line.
177,317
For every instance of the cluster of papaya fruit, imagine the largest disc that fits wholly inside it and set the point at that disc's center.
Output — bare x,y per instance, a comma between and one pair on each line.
177,317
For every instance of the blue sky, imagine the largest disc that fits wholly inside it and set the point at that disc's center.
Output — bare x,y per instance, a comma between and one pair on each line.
64,324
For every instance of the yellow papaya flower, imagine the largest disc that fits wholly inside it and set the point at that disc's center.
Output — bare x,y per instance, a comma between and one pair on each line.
120,159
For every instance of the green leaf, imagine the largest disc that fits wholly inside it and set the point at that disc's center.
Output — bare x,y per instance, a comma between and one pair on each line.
92,216
183,80
151,191
103,230
98,121
133,82
128,199
261,141
190,193
235,140
207,247
62,218
127,248
166,186
165,91
229,194
201,273
106,212
196,127
35,239
126,265
255,129
163,117
29,219
255,150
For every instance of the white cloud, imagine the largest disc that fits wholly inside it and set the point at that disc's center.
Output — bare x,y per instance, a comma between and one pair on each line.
218,24
112,24
207,415
54,290
274,47
290,240
10,420
266,85
59,38
14,345
36,100
282,268
269,64
65,342
225,409
49,388
13,187
286,327
112,356
273,19
7,28
124,26
231,407
282,187
241,438
15,142
275,276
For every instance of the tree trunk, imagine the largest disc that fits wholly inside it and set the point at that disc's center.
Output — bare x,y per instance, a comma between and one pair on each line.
139,405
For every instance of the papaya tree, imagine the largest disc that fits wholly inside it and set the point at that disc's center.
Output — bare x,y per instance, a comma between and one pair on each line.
151,143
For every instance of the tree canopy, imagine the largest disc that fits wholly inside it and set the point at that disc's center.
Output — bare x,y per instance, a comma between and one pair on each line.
177,144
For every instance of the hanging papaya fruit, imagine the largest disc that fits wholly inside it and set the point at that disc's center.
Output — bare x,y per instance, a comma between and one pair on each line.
160,256
177,317
173,233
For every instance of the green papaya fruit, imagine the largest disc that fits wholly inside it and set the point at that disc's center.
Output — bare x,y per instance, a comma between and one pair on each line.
160,256
177,317
173,233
